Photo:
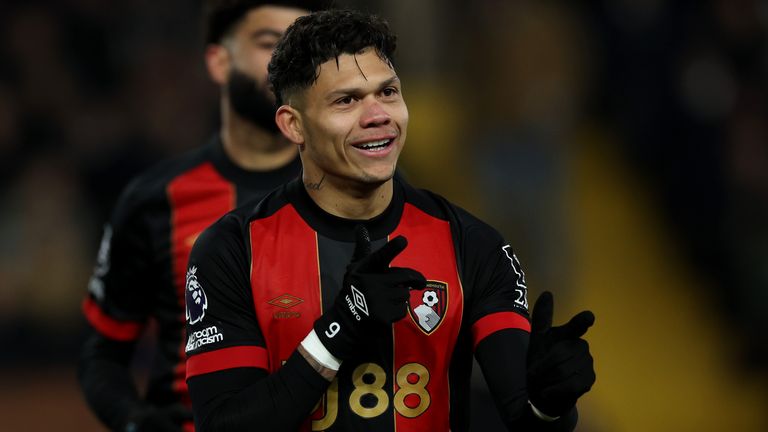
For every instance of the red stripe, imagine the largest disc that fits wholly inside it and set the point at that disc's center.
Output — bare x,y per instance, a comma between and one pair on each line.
226,358
492,323
431,251
197,198
108,326
274,274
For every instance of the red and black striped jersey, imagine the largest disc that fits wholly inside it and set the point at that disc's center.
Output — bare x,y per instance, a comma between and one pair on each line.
140,272
259,278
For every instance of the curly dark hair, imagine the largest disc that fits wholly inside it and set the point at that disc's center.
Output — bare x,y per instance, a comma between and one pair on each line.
316,38
221,16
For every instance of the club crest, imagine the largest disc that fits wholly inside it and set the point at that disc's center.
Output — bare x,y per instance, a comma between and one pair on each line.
427,307
196,300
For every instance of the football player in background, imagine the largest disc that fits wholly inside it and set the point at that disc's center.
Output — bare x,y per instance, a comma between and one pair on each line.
140,271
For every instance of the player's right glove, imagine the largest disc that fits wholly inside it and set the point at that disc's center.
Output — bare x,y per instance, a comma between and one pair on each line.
560,367
372,291
158,419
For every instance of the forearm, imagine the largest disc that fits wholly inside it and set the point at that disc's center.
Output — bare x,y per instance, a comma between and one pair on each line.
502,357
242,398
106,381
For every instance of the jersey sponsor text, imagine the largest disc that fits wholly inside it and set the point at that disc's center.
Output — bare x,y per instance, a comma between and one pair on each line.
202,337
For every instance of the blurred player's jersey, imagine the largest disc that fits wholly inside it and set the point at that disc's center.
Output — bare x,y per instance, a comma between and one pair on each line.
140,271
258,279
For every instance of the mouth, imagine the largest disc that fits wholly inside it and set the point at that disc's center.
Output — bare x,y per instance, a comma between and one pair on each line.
375,146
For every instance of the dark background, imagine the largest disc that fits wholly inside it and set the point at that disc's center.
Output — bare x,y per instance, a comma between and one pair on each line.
621,147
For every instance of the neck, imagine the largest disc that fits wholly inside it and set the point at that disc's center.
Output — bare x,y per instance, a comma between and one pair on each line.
349,201
251,147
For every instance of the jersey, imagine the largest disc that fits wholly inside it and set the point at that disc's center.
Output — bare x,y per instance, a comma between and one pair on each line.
258,279
140,271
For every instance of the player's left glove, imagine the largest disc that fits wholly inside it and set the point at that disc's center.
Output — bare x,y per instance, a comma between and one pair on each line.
560,367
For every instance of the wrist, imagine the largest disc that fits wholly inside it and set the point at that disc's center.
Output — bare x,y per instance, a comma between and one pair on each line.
314,347
337,331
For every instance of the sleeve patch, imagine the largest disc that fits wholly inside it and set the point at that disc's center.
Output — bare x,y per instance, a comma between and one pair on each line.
195,298
521,289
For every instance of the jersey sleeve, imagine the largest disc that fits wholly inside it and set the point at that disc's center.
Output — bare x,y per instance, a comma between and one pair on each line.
118,291
499,295
222,329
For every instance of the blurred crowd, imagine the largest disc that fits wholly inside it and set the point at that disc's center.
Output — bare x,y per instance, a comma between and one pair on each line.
92,92
684,84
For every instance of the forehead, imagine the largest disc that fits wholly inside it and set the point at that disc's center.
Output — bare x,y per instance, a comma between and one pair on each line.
276,18
354,71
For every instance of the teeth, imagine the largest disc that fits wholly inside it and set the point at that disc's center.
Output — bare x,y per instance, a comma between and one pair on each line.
373,144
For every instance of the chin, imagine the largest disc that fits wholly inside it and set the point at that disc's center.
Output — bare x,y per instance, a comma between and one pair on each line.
377,178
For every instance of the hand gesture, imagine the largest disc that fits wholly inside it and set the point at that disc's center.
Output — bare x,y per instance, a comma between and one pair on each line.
372,291
560,366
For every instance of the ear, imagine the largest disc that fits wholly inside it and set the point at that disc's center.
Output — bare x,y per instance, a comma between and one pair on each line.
217,62
288,119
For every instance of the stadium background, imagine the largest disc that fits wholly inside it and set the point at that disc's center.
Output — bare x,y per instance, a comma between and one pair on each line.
621,146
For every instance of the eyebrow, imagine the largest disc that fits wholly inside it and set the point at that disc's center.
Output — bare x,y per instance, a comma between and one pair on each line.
356,90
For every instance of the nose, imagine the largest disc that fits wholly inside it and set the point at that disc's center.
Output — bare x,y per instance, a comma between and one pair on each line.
374,115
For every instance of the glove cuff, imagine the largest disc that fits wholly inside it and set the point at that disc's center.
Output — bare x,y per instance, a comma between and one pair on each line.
540,414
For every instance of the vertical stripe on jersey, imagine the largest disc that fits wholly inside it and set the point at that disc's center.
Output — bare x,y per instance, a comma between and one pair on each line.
421,358
281,265
197,198
372,358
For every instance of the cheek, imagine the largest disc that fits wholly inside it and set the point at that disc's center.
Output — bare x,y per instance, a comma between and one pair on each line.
401,117
333,132
405,117
256,64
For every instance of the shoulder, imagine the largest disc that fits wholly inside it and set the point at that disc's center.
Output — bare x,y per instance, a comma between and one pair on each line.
268,205
229,234
462,221
226,235
149,187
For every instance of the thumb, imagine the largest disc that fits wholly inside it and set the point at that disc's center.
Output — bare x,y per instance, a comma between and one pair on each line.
362,243
577,326
541,317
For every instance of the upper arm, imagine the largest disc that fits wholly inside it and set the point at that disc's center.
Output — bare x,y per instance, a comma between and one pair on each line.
498,293
222,328
117,304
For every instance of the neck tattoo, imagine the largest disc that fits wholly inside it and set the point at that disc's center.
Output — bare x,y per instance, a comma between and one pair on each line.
315,186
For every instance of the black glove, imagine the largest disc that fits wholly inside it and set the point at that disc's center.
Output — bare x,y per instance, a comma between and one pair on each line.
170,418
560,367
372,291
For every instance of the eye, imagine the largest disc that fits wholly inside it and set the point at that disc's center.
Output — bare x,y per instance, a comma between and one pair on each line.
345,100
267,45
266,41
389,91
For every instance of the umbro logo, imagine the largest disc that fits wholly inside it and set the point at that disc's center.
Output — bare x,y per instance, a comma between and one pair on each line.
359,300
285,301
